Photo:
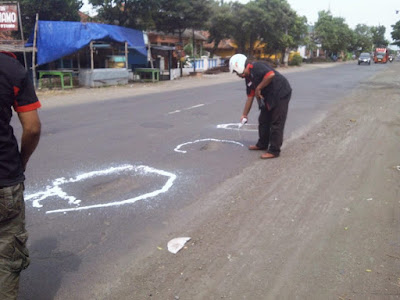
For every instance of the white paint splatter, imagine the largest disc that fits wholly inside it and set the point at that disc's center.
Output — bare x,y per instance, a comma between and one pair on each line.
195,106
236,126
187,108
55,189
205,140
174,112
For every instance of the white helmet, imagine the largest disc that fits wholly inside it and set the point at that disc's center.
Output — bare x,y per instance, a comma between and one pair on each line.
237,63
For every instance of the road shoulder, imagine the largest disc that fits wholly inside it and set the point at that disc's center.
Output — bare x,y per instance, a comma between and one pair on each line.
322,221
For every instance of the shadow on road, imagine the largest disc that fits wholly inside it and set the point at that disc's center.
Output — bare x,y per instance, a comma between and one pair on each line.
48,265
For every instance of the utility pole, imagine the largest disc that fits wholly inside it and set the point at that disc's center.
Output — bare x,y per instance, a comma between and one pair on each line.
194,52
34,51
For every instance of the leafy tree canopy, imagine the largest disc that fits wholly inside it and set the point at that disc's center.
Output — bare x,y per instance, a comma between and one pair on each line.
281,20
163,15
270,21
239,32
221,23
48,10
333,33
273,22
363,38
178,15
396,34
378,36
137,14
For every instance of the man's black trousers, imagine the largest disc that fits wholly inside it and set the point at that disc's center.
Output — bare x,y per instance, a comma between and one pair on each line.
271,125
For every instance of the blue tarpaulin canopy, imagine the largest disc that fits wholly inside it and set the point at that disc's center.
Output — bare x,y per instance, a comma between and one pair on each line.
56,39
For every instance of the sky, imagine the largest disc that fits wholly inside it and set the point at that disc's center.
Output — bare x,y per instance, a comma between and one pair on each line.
368,12
87,8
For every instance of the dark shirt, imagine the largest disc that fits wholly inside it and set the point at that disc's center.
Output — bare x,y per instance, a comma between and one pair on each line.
278,88
17,91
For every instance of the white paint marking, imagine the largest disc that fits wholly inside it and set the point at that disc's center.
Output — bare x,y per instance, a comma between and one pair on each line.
195,106
205,140
174,112
236,126
55,190
187,108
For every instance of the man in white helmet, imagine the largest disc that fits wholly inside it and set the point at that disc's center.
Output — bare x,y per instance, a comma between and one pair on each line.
273,92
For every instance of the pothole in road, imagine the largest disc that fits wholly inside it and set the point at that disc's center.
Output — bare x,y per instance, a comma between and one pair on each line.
211,146
114,186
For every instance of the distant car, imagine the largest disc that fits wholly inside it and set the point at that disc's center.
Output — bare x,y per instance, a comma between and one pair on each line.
364,58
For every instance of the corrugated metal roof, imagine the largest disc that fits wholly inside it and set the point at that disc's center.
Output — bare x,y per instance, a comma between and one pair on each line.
187,33
8,43
14,46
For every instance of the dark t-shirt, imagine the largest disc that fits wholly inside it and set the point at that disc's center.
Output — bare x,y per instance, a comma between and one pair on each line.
278,88
17,91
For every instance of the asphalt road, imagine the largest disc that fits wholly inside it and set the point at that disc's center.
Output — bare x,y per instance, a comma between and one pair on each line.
110,177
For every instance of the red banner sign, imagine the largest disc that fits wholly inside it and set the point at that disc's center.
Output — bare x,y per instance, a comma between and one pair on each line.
8,18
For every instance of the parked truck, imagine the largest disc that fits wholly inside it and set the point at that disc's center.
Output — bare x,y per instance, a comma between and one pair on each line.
381,55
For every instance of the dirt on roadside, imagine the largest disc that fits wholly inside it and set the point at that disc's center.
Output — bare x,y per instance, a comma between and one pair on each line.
320,222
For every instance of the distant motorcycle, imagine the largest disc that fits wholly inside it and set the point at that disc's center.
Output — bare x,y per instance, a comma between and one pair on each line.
390,58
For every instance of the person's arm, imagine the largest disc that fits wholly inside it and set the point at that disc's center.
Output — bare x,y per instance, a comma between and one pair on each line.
265,82
247,107
31,128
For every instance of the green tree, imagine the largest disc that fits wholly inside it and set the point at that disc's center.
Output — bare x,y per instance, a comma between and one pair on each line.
239,31
270,21
137,14
352,42
309,42
178,15
396,34
249,21
298,32
363,38
220,25
281,28
333,33
48,10
378,36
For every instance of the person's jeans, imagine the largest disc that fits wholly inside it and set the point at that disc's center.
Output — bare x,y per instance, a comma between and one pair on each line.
14,256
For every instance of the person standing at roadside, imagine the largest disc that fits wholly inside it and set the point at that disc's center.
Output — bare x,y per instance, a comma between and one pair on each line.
273,93
17,92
